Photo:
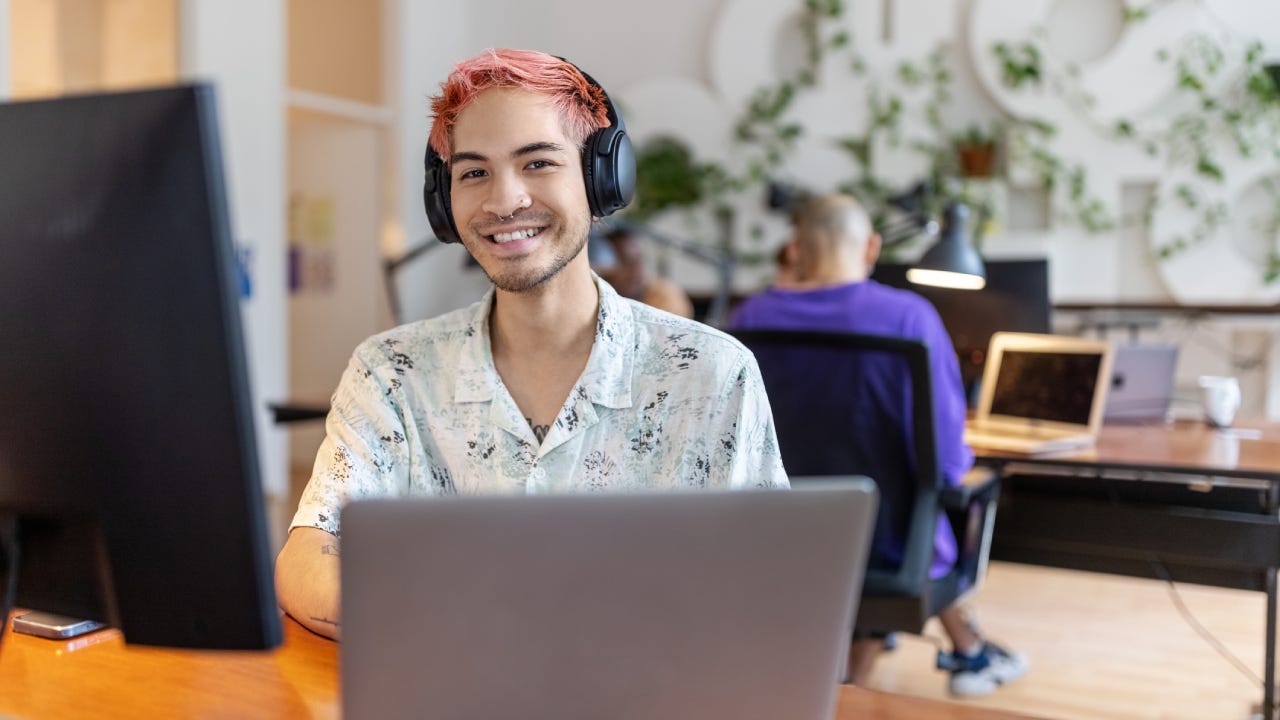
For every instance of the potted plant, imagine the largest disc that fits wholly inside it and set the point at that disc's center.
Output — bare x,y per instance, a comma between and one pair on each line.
976,152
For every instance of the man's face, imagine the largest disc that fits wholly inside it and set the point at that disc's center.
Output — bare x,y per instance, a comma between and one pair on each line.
510,154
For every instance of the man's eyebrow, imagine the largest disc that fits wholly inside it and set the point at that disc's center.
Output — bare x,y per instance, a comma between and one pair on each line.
537,147
531,148
472,156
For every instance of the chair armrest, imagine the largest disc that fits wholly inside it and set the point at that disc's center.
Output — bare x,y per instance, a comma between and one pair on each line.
980,484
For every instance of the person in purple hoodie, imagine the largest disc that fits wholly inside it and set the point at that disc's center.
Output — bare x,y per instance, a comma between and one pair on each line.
828,264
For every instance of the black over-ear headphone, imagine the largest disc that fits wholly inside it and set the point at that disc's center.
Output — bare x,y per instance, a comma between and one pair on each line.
608,169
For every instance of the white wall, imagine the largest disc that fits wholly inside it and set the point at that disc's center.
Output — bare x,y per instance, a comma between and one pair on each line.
619,43
239,46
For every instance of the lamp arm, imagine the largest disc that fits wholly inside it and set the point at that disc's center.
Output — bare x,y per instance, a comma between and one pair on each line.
391,266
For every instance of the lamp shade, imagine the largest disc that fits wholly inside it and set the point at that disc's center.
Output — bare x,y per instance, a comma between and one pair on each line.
952,262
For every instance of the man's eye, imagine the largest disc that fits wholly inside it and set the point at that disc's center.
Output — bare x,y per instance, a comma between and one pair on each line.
540,164
472,173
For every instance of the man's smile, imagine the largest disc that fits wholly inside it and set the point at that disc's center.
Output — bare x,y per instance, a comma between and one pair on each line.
506,237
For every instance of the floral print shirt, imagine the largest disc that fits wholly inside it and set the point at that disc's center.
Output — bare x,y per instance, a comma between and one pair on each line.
664,403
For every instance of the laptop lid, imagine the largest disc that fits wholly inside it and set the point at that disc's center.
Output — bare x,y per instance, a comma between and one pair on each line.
665,606
1053,383
1142,378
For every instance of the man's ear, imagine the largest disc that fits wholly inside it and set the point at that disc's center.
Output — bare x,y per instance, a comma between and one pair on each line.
791,252
872,252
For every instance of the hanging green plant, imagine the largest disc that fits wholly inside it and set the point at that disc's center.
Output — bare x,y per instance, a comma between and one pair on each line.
666,176
1273,72
1234,104
1020,63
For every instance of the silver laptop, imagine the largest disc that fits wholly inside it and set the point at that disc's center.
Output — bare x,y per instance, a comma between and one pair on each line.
1142,378
661,606
1041,393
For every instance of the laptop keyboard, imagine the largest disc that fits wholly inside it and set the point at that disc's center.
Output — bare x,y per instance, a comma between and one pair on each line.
1030,441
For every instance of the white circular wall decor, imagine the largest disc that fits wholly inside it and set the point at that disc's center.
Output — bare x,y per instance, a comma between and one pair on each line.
1250,20
1124,81
1083,31
743,52
1213,270
683,110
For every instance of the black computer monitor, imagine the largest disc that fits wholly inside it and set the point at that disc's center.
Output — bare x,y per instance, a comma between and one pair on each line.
128,465
1016,299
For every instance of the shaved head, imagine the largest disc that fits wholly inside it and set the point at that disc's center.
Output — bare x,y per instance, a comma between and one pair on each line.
834,239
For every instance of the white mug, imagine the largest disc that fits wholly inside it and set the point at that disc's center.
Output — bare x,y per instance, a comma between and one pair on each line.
1221,398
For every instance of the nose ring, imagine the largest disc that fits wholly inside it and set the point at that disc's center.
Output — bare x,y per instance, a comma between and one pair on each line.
519,207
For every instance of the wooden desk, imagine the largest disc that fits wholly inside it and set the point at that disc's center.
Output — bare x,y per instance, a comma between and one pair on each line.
1177,501
98,677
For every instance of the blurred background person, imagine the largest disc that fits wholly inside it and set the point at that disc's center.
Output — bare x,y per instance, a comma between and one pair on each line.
623,267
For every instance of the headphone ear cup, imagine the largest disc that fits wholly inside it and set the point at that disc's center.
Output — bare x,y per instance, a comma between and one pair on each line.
609,170
435,198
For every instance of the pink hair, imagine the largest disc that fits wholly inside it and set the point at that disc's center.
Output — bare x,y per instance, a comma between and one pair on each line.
581,104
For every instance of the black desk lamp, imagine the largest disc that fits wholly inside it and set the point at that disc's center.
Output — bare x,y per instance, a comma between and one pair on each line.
952,262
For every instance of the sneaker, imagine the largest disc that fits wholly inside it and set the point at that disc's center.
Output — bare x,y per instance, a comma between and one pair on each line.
983,673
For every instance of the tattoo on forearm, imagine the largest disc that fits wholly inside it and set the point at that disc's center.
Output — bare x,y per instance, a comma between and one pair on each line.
539,431
330,549
327,621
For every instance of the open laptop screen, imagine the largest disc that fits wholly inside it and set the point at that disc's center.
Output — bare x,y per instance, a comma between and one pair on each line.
1053,386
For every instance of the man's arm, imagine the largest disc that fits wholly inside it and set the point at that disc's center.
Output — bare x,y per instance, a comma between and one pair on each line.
307,580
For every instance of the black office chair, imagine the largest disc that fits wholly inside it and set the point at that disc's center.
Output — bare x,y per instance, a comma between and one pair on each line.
830,393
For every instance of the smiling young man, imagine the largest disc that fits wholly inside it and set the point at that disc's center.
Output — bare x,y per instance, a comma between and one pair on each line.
552,383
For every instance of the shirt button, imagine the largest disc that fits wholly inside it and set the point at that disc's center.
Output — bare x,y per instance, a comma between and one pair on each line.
538,474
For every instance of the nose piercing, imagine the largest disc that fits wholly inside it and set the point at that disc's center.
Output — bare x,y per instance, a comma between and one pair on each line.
508,218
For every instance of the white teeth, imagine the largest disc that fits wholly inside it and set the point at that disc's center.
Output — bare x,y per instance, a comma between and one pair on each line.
517,235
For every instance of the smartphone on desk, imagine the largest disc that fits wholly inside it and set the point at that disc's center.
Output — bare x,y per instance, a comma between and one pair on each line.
53,626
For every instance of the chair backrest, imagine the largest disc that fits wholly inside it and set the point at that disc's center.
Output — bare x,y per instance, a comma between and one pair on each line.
834,396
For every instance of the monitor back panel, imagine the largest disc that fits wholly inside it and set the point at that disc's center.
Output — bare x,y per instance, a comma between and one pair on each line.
1015,299
122,369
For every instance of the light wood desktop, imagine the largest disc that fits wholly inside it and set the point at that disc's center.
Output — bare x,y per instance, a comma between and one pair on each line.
98,677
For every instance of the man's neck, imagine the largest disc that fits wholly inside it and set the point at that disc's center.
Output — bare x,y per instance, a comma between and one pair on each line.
557,320
542,340
832,273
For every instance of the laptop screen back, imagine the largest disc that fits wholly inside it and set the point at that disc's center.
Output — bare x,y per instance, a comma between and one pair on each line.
663,605
1142,380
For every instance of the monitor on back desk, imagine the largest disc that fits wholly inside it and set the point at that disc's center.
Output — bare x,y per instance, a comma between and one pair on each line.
129,485
1015,299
